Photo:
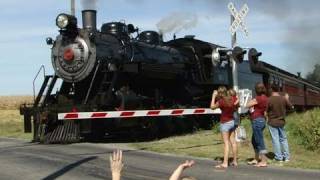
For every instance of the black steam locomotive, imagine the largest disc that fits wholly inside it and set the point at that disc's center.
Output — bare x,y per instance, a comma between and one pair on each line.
110,70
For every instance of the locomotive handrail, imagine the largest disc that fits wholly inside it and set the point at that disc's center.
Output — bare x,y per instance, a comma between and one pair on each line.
44,75
91,83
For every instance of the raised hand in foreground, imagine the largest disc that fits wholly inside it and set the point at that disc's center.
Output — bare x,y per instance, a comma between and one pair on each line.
116,164
178,172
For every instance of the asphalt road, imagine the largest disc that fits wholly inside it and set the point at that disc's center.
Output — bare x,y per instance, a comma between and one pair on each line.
23,160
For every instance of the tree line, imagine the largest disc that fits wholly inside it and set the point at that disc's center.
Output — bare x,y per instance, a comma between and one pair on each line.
314,76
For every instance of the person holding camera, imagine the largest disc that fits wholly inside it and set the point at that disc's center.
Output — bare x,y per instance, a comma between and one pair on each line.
276,113
222,99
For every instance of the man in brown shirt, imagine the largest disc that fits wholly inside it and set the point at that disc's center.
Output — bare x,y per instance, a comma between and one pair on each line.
276,112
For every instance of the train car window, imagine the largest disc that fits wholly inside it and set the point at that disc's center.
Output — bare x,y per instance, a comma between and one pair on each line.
276,80
271,80
281,84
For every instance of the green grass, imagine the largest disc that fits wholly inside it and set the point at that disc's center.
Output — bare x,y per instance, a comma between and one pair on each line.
11,125
208,144
11,122
305,127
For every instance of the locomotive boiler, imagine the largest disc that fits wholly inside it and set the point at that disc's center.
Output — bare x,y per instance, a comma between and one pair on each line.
118,68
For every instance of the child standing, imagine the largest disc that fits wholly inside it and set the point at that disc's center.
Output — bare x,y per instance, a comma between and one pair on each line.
235,99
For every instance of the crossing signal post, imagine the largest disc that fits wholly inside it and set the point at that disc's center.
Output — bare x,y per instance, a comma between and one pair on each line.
237,20
234,64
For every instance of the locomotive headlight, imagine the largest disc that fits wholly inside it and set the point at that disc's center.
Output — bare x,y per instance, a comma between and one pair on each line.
215,57
66,22
62,21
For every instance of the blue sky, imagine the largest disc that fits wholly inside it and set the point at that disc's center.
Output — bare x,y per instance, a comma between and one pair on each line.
285,31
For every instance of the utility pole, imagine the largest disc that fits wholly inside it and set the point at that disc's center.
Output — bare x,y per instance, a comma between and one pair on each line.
73,9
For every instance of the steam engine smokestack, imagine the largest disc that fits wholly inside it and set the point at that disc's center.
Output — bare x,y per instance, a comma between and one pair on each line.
89,19
73,8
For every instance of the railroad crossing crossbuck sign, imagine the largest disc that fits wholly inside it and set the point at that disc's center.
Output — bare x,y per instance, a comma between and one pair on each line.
238,18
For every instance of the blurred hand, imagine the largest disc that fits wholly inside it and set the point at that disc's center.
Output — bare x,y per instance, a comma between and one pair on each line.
215,93
187,164
286,95
178,172
116,164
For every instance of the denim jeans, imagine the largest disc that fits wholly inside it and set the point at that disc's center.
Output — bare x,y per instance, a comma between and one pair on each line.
236,118
279,143
227,126
257,140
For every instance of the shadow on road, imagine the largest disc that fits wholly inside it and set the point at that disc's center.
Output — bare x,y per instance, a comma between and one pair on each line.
67,168
103,152
17,146
189,147
201,145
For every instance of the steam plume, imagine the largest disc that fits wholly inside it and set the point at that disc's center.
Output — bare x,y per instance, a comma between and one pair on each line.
89,4
177,21
301,39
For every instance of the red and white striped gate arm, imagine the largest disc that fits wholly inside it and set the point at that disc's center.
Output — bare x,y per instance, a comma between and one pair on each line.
244,96
135,113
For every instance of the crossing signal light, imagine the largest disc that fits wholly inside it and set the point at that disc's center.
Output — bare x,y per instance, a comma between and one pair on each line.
224,54
253,55
238,54
218,55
